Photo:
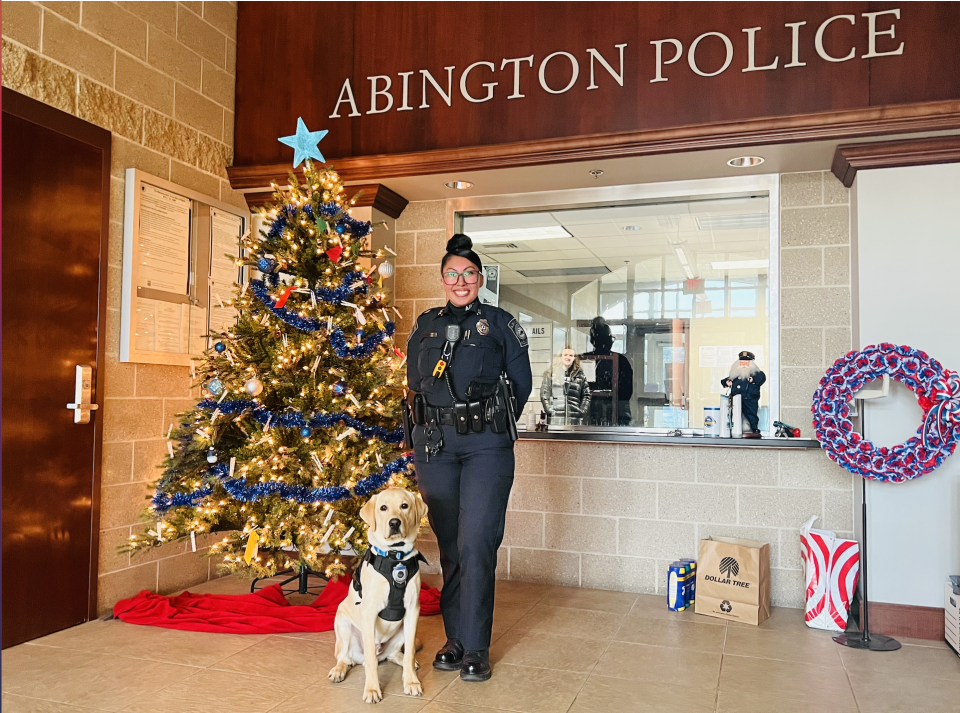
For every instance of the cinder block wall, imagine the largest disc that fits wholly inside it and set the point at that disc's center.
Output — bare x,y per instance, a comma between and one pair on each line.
614,516
160,77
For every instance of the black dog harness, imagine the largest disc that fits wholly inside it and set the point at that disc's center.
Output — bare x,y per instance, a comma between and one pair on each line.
397,571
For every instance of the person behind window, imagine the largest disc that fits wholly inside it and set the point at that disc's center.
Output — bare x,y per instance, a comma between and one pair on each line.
565,393
601,406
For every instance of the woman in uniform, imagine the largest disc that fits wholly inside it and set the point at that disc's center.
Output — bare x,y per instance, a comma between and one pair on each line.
457,356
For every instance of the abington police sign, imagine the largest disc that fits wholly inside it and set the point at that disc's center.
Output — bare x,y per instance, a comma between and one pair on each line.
420,89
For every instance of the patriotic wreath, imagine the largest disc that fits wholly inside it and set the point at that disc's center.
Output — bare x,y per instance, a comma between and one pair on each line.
937,389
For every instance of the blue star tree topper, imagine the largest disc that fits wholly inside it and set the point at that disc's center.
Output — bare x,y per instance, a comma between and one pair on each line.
304,143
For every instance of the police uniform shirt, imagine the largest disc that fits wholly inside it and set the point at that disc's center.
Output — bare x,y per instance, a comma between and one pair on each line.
491,342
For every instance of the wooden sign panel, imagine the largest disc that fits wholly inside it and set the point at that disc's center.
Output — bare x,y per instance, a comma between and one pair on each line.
404,78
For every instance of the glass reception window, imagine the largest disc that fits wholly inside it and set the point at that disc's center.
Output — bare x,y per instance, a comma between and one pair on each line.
645,306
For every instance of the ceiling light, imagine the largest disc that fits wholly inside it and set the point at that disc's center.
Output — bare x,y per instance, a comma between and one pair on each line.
525,234
747,221
740,264
745,161
459,185
566,272
631,227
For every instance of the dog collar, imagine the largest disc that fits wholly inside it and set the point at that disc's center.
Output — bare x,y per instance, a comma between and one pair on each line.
391,554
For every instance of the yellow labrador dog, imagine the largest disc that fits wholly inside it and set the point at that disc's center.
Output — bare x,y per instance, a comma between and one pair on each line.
378,619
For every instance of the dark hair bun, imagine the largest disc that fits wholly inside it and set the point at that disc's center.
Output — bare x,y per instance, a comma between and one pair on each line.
459,243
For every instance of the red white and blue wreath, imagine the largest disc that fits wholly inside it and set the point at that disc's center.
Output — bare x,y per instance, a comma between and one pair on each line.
937,389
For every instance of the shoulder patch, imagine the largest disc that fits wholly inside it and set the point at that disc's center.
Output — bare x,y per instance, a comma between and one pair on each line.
518,332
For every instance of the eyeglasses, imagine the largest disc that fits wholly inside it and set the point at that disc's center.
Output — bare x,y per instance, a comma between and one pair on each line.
452,277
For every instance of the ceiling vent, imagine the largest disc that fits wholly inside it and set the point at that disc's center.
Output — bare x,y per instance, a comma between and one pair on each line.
498,247
567,272
749,221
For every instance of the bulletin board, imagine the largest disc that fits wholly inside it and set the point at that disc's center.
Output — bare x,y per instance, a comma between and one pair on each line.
180,250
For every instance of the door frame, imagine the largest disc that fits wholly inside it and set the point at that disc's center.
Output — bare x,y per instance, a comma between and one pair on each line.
60,122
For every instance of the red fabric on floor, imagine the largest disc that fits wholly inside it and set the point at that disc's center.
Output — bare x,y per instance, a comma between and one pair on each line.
264,612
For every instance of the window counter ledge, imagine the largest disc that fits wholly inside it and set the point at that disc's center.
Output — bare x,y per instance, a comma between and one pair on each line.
709,441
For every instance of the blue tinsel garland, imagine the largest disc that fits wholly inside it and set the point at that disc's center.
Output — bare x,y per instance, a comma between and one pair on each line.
357,228
308,324
295,419
238,489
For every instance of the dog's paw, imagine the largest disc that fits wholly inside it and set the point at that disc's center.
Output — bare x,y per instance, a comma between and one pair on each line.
372,695
337,673
414,688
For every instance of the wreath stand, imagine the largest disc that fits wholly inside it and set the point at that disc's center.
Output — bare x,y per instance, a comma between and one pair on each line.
865,640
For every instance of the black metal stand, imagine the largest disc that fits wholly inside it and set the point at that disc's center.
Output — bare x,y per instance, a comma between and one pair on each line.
302,579
865,640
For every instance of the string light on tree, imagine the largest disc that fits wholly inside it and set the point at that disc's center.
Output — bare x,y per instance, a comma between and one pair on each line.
303,415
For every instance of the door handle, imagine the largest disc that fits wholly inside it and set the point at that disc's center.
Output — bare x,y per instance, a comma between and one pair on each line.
84,388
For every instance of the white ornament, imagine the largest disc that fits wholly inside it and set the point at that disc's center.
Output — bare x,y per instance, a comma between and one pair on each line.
254,386
386,269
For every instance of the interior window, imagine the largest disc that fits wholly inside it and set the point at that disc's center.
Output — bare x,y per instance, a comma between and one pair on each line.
654,300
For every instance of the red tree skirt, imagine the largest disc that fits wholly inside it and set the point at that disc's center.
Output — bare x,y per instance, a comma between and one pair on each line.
264,612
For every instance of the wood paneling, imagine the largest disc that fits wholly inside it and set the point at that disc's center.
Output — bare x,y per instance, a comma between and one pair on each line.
276,85
849,159
374,194
904,620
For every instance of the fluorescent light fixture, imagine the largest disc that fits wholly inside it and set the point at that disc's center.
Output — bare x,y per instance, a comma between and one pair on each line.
631,227
745,161
740,264
684,263
524,234
566,272
459,185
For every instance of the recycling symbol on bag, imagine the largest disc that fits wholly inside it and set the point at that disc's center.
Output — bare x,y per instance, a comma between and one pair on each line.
726,607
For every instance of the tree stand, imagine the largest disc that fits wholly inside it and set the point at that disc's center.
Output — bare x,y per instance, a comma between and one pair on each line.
865,640
302,578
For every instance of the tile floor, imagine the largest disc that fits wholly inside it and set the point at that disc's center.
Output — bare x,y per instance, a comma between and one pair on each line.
555,650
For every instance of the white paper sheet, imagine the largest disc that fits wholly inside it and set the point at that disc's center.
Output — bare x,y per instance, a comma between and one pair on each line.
161,326
225,231
164,241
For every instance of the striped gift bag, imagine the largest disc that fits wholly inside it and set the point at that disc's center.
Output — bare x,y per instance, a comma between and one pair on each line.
830,566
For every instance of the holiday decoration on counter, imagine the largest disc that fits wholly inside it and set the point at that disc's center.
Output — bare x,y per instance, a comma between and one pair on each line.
303,419
745,380
937,389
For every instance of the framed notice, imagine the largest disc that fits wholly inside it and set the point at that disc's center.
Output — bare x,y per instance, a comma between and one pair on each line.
180,250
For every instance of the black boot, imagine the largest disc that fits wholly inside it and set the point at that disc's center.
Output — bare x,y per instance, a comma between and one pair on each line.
450,656
476,666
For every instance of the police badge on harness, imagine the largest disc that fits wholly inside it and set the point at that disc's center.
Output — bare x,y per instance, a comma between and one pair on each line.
400,574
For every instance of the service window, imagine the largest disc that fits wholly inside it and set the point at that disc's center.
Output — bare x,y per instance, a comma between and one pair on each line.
635,312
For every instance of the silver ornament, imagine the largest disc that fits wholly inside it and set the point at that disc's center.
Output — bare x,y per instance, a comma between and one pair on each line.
386,268
254,386
211,456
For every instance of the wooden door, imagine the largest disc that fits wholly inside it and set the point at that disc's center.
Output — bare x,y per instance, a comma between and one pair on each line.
56,181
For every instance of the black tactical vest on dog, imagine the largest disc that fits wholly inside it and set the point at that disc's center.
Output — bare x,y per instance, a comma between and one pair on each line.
397,571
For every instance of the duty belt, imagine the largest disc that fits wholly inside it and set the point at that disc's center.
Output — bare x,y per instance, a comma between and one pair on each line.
466,416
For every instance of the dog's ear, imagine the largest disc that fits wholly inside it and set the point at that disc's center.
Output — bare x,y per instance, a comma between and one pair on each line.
420,508
368,513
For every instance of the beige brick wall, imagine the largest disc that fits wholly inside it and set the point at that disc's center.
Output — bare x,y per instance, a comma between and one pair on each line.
160,77
614,516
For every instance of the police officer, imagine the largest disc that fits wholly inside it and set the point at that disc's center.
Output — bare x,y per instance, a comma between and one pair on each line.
463,444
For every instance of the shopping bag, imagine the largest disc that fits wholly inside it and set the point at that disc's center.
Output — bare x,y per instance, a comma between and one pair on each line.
830,567
733,579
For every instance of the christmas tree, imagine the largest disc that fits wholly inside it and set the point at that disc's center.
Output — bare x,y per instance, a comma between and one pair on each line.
301,417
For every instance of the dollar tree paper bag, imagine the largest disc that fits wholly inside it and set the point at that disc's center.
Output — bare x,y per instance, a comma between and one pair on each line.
733,579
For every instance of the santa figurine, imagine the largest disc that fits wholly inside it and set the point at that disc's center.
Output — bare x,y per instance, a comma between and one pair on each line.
746,379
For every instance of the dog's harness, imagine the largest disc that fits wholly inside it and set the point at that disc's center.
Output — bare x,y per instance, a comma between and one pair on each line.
397,571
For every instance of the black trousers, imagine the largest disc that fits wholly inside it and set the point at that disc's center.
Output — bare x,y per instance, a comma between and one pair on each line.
749,408
466,488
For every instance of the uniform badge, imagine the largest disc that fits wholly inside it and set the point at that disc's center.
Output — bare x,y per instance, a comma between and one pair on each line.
518,332
483,327
400,574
